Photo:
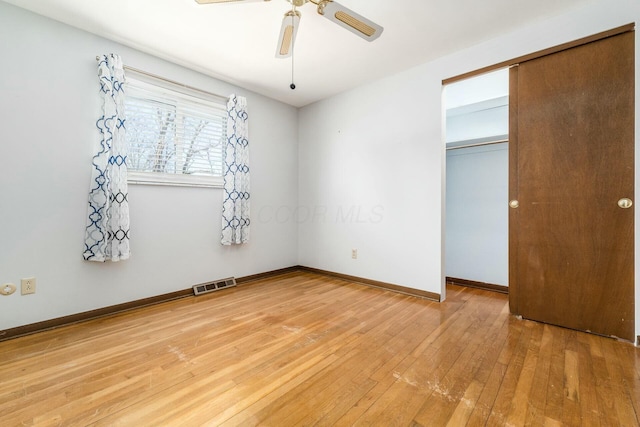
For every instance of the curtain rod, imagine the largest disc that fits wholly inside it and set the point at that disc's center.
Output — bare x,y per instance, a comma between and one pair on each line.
135,70
478,144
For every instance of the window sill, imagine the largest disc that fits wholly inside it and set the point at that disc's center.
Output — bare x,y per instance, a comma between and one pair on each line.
144,178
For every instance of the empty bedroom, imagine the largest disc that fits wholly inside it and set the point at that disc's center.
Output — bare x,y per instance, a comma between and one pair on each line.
319,212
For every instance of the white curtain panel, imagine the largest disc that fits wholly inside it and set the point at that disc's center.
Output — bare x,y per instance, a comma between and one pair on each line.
235,203
107,232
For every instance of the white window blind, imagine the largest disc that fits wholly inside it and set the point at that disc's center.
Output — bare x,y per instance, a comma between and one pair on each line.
175,134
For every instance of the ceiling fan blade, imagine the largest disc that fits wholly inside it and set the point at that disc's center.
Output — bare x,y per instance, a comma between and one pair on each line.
350,20
229,1
288,31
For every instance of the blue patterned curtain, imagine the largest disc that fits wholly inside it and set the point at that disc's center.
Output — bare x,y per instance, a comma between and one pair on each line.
235,204
107,233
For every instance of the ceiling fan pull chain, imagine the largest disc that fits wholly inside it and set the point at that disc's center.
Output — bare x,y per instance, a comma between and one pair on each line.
293,50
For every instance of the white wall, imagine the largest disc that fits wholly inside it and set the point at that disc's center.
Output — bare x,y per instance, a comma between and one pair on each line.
477,107
48,107
481,124
382,145
477,225
375,150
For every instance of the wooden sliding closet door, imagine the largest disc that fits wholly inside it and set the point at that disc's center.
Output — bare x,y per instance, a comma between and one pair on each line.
571,168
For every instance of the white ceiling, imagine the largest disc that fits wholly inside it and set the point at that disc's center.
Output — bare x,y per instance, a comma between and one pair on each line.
236,42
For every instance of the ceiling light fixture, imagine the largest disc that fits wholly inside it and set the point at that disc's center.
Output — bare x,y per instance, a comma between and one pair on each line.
332,10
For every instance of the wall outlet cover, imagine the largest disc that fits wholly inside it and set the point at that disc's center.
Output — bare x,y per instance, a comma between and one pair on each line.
28,286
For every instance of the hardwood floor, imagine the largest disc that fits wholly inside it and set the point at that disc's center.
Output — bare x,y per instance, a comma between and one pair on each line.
305,349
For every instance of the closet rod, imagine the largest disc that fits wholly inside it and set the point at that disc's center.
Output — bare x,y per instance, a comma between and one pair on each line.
478,144
135,70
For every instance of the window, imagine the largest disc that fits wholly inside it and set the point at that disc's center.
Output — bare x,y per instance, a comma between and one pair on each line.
175,134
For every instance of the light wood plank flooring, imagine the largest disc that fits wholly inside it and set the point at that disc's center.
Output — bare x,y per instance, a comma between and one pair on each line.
305,349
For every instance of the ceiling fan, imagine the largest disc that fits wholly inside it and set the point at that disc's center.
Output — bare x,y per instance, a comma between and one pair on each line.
330,9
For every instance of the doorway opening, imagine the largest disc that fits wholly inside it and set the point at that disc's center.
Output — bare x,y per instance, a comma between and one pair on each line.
477,177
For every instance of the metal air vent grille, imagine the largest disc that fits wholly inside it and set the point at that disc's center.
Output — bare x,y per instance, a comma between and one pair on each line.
205,288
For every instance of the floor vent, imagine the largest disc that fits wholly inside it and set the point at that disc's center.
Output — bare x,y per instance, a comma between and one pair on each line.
205,288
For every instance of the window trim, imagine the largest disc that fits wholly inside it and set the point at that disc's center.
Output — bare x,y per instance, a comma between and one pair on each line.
160,84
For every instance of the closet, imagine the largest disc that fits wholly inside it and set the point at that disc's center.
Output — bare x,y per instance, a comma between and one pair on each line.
476,239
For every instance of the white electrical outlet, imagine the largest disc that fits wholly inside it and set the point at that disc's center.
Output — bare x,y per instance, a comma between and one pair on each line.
354,253
28,285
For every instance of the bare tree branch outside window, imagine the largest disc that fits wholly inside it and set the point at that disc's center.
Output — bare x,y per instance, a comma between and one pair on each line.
166,138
